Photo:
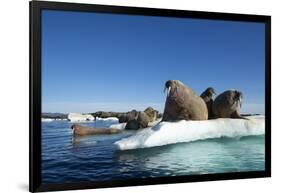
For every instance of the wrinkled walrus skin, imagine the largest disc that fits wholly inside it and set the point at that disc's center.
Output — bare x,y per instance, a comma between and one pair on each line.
79,130
228,104
182,103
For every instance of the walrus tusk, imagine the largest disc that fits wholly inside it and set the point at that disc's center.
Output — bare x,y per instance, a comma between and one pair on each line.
240,101
169,89
168,93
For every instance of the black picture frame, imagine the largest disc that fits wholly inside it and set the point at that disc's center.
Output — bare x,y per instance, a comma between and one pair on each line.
35,93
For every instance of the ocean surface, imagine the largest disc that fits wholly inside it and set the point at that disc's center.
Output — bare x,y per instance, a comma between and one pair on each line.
96,158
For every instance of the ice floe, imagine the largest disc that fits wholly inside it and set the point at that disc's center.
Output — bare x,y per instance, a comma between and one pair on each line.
186,131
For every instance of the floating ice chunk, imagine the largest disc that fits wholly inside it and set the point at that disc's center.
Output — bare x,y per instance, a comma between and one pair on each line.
120,126
78,117
186,131
46,119
113,119
106,122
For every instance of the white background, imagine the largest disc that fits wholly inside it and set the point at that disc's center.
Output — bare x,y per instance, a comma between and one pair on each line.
14,72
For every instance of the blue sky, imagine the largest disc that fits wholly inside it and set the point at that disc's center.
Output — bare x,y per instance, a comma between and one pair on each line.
95,61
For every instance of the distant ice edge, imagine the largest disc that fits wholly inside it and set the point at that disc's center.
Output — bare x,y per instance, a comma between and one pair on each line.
186,131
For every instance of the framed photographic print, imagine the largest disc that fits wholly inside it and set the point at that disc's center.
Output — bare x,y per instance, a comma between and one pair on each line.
98,114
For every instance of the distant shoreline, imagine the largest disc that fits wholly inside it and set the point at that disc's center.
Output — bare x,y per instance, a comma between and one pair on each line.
103,114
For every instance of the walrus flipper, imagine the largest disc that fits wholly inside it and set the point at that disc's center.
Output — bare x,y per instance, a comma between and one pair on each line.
236,115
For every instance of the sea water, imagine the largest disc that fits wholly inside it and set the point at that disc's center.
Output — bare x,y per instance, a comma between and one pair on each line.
97,158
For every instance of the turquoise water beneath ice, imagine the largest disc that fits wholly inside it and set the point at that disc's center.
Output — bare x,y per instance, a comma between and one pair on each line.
95,158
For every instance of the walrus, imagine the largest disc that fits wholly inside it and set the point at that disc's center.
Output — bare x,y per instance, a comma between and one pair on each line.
79,130
182,103
151,113
207,96
128,116
228,105
140,122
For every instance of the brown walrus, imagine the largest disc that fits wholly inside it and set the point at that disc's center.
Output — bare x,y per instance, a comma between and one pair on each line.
151,113
141,121
128,116
182,103
228,104
79,130
207,96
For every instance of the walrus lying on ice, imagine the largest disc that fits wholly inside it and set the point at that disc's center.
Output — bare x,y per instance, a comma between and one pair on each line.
228,104
79,130
182,103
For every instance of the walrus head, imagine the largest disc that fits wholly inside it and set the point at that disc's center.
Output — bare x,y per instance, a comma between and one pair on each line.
237,97
171,86
73,126
209,92
168,86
